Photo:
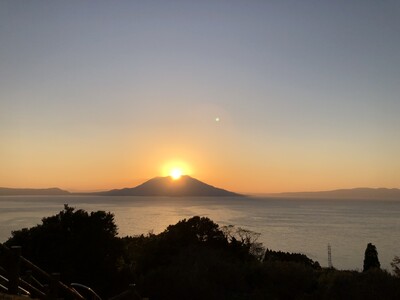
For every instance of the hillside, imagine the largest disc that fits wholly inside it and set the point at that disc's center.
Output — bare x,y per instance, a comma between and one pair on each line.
356,193
33,192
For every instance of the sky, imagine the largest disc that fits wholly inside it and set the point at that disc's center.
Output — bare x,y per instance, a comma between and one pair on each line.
250,96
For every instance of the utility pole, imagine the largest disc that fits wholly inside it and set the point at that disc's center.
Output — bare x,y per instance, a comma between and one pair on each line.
330,266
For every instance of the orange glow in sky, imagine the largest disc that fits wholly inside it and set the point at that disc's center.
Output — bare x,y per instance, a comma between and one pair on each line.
249,98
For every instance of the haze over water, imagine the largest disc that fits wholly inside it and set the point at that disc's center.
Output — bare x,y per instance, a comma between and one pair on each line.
294,225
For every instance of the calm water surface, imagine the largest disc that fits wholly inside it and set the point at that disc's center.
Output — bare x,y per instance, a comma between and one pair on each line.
305,226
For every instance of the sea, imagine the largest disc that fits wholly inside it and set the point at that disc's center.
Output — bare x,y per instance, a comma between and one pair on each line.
305,226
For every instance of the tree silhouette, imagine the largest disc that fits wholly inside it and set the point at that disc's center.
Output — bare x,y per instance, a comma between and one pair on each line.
194,259
281,256
371,260
82,246
396,266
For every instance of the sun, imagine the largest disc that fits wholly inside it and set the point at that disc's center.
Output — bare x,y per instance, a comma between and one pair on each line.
175,169
176,173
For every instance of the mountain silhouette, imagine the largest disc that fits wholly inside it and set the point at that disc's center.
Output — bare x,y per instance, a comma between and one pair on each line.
167,186
356,193
36,192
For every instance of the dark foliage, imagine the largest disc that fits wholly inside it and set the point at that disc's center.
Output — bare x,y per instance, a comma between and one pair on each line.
396,266
371,260
373,284
193,259
82,246
271,255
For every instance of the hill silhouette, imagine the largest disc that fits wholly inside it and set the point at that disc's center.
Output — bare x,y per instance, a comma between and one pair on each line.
34,192
167,186
356,193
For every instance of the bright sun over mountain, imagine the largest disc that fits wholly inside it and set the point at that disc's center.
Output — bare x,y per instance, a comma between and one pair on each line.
176,173
175,169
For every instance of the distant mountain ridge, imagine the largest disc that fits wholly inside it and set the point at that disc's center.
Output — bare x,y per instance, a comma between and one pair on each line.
167,186
356,193
32,192
188,186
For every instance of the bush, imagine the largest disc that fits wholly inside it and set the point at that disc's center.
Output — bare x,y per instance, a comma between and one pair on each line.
82,246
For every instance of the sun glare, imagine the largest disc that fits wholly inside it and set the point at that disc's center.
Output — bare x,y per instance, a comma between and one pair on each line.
175,169
176,174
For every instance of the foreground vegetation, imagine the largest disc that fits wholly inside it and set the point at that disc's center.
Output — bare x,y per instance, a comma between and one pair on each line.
193,259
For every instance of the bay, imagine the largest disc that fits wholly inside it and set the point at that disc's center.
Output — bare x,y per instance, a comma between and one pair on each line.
293,225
